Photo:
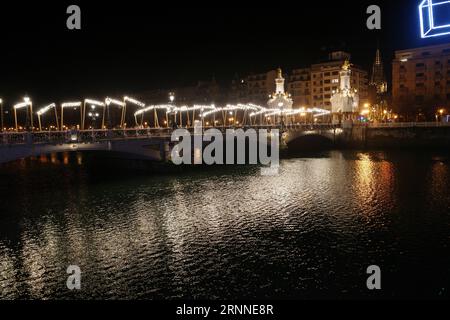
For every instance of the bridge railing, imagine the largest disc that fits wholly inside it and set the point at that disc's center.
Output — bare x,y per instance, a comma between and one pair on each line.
8,138
409,124
79,136
98,135
13,138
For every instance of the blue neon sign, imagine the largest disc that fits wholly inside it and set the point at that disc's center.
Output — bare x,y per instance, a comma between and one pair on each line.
434,18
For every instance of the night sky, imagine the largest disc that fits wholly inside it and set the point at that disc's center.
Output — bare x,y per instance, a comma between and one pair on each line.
131,46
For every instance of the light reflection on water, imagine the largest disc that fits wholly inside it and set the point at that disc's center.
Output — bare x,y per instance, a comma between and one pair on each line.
228,232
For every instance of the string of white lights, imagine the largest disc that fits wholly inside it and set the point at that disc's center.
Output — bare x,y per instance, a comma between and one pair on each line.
230,107
71,104
109,101
134,101
22,105
142,111
94,102
45,109
262,111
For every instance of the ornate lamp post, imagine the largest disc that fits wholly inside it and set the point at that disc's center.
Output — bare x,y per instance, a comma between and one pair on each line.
171,100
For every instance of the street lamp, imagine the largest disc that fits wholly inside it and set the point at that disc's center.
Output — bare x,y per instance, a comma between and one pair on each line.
171,100
94,103
93,116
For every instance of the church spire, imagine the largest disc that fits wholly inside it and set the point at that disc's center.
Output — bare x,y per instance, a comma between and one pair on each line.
378,78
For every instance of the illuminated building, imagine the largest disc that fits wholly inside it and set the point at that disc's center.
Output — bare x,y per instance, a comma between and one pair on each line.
314,86
260,86
300,87
421,79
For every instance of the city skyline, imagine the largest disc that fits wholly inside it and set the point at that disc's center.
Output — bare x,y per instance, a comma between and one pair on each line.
136,50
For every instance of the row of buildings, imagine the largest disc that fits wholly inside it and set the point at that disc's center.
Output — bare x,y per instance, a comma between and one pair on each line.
309,87
420,84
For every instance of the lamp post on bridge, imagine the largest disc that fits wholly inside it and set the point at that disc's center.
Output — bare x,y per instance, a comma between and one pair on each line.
171,101
96,103
93,115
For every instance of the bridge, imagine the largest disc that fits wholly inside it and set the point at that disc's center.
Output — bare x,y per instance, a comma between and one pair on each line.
135,130
129,126
140,144
154,144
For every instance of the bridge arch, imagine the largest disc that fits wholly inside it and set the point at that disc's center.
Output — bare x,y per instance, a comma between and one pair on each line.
310,139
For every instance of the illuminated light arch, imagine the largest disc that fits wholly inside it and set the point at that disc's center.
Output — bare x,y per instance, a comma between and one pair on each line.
75,105
21,105
43,111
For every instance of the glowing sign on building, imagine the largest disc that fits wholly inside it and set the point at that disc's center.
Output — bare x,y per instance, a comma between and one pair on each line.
434,18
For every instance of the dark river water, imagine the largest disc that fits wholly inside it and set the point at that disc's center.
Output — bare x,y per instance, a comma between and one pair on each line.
228,232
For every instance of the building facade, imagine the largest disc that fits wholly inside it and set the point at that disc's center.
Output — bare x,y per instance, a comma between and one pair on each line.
300,87
260,86
314,86
421,80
